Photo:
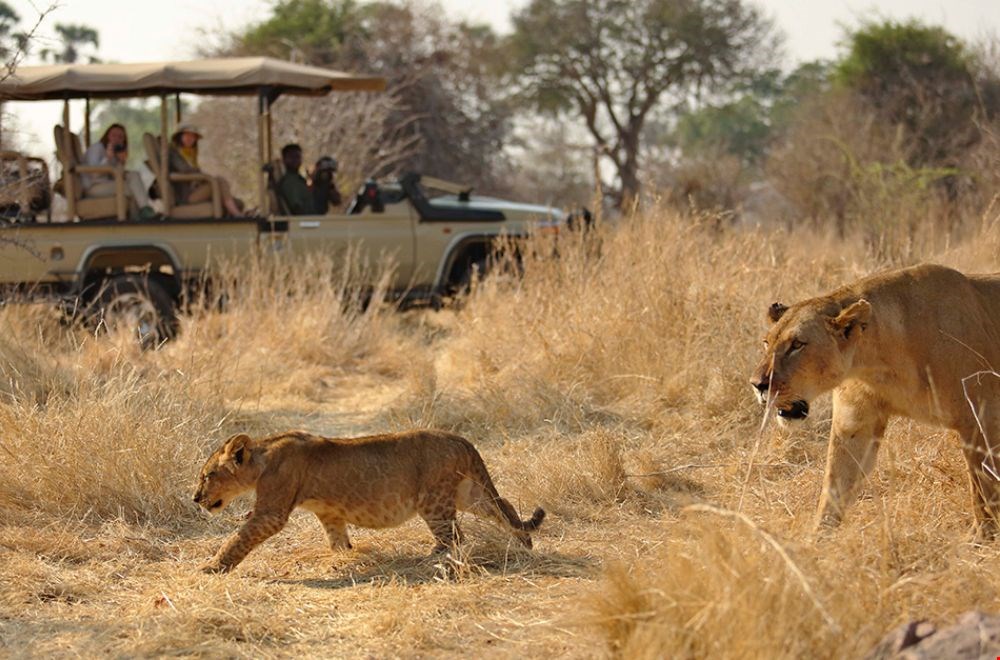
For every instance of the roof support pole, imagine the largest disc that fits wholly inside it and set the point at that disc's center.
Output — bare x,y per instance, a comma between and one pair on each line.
263,149
177,108
166,193
69,180
86,122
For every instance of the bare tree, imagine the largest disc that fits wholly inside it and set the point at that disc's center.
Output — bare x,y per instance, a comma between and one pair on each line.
15,44
348,126
612,62
446,104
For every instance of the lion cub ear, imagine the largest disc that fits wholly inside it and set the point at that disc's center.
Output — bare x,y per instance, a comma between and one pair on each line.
854,317
776,311
236,447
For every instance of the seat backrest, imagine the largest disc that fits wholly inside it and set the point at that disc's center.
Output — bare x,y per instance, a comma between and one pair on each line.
70,154
152,145
274,175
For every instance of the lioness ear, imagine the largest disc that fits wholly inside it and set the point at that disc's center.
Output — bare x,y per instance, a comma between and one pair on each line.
854,317
776,311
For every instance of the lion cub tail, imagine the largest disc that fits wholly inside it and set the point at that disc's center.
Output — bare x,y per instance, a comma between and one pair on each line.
522,528
499,508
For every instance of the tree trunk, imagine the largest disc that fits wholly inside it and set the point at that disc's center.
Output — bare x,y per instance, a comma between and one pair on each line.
628,172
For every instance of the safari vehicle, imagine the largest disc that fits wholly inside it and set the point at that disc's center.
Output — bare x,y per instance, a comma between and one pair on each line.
138,271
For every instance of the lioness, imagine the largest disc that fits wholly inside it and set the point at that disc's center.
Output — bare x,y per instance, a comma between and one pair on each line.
376,481
897,343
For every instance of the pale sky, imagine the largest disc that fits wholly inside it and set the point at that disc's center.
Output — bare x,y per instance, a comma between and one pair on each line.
145,30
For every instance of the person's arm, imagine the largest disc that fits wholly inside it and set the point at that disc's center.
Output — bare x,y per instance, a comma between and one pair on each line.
96,154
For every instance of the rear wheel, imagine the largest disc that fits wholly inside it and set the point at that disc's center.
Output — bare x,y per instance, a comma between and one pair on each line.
138,305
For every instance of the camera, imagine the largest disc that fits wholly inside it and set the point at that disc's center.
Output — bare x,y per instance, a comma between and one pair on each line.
118,148
326,164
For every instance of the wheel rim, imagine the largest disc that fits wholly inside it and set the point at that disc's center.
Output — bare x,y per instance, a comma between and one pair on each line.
135,313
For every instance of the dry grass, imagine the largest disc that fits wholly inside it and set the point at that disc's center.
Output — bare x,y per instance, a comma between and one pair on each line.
607,385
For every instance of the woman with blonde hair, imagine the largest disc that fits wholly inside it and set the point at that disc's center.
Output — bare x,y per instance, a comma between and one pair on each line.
184,160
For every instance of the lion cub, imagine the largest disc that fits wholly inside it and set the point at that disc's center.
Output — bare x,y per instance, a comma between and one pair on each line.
376,481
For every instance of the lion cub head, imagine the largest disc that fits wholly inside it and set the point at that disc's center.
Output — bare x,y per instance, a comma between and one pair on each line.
808,350
228,473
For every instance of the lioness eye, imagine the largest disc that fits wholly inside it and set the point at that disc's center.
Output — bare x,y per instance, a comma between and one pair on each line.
796,345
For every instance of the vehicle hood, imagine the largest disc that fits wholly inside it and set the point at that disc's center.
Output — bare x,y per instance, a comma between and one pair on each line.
504,206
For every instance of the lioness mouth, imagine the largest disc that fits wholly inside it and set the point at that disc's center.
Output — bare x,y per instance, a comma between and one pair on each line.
798,410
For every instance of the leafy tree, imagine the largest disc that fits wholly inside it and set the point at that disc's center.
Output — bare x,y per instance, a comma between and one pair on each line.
613,62
8,20
760,113
75,38
924,79
313,31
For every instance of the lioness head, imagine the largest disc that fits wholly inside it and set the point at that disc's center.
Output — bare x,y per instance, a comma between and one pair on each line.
808,350
227,473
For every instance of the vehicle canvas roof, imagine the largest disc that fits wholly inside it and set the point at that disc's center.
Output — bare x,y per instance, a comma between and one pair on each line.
230,75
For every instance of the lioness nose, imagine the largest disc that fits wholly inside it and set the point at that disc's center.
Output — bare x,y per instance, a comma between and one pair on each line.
761,383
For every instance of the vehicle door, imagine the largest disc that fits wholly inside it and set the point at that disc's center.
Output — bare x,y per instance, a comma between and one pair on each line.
370,238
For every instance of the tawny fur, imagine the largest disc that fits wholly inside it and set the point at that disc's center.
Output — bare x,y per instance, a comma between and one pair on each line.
894,344
377,481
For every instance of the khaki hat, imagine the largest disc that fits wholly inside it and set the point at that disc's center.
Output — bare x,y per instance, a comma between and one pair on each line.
187,128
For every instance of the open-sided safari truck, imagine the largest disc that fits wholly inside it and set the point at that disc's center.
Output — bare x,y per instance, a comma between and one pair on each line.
137,271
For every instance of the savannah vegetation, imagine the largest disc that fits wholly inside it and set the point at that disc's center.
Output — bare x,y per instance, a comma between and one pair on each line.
607,383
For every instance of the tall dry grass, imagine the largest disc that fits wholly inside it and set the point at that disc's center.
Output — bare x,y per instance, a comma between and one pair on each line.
645,334
606,383
92,427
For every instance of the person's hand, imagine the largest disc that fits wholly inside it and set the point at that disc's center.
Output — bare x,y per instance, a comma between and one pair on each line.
116,157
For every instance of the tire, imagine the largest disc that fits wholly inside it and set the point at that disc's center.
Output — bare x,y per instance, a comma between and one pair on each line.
474,273
139,303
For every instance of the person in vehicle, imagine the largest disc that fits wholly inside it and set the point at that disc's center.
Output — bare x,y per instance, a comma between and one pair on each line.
183,159
112,149
307,197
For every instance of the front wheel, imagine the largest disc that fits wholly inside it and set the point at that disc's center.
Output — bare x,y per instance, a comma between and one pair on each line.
138,305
